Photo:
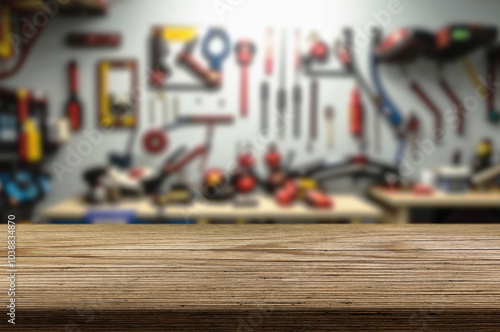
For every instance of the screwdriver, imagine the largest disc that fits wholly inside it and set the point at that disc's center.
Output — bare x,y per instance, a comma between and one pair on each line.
282,91
313,113
244,52
74,107
297,90
264,107
329,115
264,88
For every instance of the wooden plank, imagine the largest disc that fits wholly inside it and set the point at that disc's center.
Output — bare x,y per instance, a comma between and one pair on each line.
399,198
346,207
76,208
257,277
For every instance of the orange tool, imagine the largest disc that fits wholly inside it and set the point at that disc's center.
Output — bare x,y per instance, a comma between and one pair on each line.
356,114
245,51
74,106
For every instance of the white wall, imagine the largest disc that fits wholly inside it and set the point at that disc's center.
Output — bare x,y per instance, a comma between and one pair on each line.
46,71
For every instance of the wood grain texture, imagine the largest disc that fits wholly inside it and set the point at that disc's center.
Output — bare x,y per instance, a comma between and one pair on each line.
400,198
257,278
346,207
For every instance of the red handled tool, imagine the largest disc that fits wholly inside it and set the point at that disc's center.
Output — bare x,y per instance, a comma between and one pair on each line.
269,62
414,129
245,51
432,107
211,78
357,118
157,140
458,105
74,108
356,114
93,39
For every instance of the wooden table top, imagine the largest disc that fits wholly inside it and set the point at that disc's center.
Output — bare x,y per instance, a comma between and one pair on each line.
346,206
399,198
257,277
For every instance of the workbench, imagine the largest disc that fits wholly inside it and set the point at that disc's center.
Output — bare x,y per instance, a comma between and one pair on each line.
398,203
256,278
346,207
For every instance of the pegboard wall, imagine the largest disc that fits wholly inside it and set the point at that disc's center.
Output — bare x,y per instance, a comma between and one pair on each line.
46,71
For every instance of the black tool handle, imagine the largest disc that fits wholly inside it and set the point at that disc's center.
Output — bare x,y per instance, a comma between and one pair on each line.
281,110
314,110
297,102
264,99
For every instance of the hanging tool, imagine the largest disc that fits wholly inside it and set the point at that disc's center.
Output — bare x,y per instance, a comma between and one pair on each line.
264,107
93,40
245,51
319,53
216,60
6,44
345,54
30,142
329,114
281,98
22,118
405,46
459,106
385,105
264,88
413,131
112,111
357,119
297,89
474,77
493,57
456,41
159,52
155,139
74,109
313,113
438,119
210,78
269,61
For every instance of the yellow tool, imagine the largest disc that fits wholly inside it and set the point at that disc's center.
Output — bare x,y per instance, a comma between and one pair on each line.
474,77
179,34
30,140
107,118
6,51
33,142
305,184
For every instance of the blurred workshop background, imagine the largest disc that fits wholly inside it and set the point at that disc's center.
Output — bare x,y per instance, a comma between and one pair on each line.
165,111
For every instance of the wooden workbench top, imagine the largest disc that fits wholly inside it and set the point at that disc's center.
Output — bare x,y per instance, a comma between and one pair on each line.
345,207
257,277
398,198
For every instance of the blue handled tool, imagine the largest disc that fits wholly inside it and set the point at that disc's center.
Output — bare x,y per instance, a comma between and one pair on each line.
386,107
216,59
